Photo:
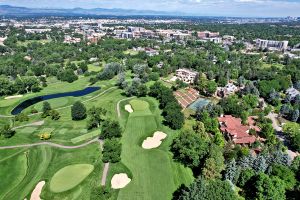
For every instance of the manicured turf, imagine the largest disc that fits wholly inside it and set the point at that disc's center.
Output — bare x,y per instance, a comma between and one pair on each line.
14,170
69,177
139,105
154,173
85,137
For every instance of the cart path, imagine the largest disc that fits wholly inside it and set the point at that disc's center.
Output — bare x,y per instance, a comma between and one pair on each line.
104,174
53,145
38,123
118,105
105,91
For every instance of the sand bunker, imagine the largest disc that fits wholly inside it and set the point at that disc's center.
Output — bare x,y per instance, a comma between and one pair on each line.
13,97
35,195
155,141
119,181
128,108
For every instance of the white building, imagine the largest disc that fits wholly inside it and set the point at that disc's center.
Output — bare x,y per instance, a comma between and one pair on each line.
272,44
186,75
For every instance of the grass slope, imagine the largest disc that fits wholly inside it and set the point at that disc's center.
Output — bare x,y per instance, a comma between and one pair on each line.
154,174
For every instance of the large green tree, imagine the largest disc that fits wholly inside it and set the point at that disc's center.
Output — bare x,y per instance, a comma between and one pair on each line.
78,111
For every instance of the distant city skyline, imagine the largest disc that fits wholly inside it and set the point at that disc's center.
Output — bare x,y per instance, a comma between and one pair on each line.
238,8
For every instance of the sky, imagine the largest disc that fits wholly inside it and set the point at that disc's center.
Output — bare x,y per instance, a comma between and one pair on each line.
239,8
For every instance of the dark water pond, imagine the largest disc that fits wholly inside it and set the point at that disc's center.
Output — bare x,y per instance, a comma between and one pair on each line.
29,102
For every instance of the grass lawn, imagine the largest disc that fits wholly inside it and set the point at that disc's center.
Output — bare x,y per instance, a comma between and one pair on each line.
131,52
85,137
154,174
26,42
14,170
69,177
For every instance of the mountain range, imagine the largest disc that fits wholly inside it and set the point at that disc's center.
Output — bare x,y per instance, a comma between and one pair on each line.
7,10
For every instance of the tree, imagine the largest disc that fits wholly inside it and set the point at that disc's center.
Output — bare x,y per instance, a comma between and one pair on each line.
245,176
21,117
214,164
7,131
231,171
96,116
46,107
110,129
285,174
54,114
292,130
111,151
203,189
294,115
78,111
174,118
260,164
101,193
189,149
250,100
219,139
211,87
142,90
265,187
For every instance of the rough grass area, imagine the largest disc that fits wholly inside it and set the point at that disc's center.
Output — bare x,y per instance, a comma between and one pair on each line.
69,177
87,136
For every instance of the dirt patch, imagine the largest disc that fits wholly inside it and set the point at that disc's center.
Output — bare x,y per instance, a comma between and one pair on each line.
119,181
128,108
35,195
155,141
13,97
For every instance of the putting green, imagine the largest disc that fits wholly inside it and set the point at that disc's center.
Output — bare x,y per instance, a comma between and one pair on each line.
139,105
69,177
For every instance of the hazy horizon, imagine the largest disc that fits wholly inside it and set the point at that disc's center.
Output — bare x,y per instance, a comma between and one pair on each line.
230,8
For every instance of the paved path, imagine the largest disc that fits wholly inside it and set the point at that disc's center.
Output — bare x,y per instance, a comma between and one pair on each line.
118,105
273,117
104,174
38,123
51,144
11,116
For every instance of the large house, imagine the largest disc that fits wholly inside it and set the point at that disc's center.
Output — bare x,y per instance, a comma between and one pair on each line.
186,75
237,132
272,44
229,89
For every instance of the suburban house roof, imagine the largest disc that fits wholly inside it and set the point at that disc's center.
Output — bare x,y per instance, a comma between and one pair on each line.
238,132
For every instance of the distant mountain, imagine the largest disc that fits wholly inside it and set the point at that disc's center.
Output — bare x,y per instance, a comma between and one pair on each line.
6,10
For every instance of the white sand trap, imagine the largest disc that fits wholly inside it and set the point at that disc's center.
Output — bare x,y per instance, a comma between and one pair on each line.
13,97
35,195
119,181
155,141
128,108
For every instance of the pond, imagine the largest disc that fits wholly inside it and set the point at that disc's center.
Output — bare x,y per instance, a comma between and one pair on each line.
201,102
29,102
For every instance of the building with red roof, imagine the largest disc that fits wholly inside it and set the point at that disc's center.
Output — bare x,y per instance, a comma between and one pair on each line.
236,131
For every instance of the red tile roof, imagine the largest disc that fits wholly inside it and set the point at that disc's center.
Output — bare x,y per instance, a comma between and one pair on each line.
237,130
